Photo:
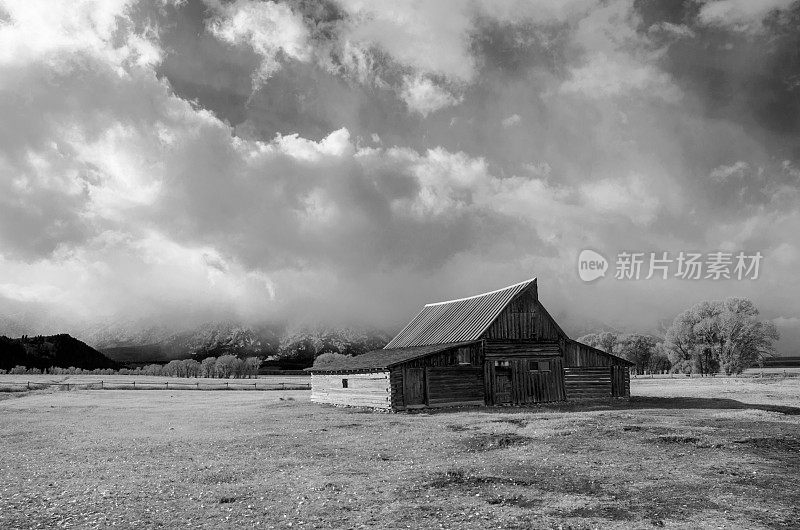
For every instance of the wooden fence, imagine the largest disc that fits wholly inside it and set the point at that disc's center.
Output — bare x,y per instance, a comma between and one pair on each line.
154,385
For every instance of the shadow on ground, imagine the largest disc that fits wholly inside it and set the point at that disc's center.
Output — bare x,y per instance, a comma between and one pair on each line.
635,403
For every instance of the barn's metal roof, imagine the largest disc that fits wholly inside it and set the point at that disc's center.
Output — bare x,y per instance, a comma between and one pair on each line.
385,358
459,320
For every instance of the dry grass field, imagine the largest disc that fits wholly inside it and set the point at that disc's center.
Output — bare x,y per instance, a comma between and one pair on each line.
10,382
713,453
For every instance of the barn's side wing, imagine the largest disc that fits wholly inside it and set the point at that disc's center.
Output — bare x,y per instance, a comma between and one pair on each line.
591,373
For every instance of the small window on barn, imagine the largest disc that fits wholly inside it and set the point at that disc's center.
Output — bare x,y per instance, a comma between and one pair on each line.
544,366
344,383
463,356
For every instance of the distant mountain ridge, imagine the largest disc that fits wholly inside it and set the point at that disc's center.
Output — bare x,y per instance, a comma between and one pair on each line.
297,344
47,351
158,344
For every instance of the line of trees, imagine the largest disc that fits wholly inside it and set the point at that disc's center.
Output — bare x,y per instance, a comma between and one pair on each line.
645,351
709,337
223,367
57,370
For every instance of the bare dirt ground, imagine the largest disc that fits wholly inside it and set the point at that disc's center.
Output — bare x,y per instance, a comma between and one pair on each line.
682,454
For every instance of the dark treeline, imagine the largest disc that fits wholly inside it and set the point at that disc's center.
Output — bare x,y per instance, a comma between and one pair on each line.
43,352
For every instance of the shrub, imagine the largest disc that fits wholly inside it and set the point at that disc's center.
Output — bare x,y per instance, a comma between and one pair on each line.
329,358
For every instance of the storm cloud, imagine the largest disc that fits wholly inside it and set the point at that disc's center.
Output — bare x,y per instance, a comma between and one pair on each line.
173,161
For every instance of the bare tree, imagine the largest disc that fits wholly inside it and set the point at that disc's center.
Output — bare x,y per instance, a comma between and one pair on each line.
208,367
226,366
191,368
251,366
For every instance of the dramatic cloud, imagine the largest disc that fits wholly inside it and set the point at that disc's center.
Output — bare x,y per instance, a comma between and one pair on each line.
270,29
179,161
423,96
740,15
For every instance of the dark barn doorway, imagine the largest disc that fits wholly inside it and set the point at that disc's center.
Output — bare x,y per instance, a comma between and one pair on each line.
503,385
414,387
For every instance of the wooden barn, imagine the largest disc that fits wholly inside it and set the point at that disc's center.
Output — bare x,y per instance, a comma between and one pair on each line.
496,348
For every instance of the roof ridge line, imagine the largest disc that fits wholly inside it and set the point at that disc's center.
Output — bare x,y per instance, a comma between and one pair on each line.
479,295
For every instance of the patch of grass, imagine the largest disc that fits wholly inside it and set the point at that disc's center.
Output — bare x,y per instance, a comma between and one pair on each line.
788,445
613,513
460,478
677,439
224,476
492,441
151,459
516,501
517,422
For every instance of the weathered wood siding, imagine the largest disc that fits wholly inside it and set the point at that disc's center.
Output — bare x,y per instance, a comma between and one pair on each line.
363,389
546,327
450,377
444,386
396,382
577,354
525,318
471,354
620,381
517,320
454,385
588,382
510,349
528,384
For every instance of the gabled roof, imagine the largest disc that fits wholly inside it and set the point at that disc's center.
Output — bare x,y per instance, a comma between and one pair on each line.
385,358
459,320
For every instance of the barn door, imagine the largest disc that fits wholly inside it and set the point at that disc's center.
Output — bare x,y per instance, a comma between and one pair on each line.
502,394
414,387
545,381
618,387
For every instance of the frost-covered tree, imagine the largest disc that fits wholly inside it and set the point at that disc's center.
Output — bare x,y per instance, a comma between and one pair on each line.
719,334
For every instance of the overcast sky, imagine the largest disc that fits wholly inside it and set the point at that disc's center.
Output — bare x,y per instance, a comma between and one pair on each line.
166,161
